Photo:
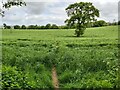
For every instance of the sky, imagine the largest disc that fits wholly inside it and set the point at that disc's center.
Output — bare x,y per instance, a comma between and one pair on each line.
42,12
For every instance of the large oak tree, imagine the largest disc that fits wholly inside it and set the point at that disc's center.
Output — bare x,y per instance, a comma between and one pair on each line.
81,14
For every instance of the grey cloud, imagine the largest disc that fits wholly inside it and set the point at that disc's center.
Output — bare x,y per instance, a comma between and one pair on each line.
23,15
119,10
44,19
43,12
108,10
12,19
35,7
0,21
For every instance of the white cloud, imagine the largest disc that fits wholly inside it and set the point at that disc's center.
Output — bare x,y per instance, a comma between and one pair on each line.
103,1
108,11
54,12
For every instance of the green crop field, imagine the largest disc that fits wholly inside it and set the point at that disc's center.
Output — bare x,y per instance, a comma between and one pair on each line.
90,61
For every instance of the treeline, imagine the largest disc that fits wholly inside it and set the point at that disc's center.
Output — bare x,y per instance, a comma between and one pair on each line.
99,23
48,26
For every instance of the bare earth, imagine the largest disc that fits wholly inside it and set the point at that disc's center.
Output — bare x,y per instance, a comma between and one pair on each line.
54,78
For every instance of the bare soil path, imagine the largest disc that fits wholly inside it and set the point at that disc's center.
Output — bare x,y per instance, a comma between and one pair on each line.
54,78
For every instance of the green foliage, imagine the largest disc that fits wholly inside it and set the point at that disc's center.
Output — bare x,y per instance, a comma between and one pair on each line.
87,62
66,77
48,26
99,23
23,27
11,3
54,26
17,27
32,27
6,26
81,14
13,78
118,22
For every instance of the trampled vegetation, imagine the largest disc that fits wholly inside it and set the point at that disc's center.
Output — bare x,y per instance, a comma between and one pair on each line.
90,61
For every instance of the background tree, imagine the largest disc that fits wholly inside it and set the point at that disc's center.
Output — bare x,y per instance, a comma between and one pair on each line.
54,26
42,27
99,23
118,22
64,27
4,25
48,26
81,14
23,27
11,3
8,27
16,27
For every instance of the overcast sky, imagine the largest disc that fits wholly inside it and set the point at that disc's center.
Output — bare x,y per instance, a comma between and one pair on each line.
53,11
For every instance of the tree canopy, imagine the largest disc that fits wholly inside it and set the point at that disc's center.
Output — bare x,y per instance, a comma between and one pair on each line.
81,14
11,3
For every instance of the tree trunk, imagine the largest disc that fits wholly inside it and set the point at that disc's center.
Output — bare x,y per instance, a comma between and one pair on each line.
78,32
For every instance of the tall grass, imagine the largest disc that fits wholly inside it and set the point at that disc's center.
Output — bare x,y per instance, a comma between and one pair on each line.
87,62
